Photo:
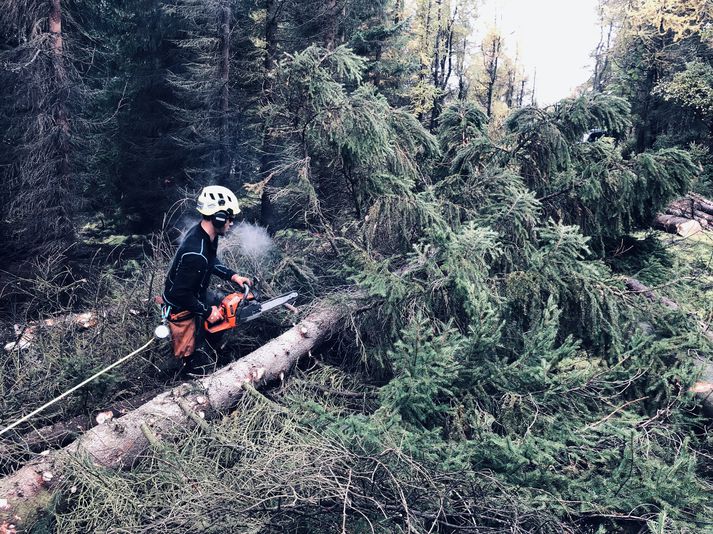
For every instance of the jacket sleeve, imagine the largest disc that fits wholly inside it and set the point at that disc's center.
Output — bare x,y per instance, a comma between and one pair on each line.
189,273
221,271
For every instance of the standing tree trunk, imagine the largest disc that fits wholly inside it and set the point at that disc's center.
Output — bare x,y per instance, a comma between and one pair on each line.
492,73
62,176
442,66
331,24
643,127
601,59
225,157
461,72
424,44
40,207
521,95
436,63
268,214
510,91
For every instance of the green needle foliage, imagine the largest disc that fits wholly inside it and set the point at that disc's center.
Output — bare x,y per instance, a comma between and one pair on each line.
499,377
513,386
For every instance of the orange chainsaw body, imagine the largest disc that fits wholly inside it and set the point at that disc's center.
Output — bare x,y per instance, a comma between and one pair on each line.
229,309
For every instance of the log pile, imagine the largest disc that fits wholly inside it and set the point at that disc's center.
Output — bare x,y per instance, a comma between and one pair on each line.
686,216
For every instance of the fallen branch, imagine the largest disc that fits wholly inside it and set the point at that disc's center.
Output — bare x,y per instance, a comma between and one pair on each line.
120,442
26,334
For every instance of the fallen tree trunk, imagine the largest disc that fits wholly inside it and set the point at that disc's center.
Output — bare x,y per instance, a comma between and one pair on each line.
682,214
677,225
703,388
26,334
633,285
120,442
694,202
62,432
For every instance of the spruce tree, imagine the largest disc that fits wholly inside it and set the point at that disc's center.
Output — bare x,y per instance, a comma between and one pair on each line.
41,95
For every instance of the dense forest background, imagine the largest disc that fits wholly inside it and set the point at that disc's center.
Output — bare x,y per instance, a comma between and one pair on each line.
498,377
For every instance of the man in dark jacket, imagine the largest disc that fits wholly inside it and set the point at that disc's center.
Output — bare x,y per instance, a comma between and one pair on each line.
185,292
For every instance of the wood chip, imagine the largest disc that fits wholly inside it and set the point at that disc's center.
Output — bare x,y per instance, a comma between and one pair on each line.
103,417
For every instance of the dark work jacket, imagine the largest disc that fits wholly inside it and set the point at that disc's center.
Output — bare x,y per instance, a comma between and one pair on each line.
188,279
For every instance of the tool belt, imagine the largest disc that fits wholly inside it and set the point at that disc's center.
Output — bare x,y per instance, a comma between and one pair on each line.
183,333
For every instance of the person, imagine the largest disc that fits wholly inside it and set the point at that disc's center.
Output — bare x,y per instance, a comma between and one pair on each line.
185,292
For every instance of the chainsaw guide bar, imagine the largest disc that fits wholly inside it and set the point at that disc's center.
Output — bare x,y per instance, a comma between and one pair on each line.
238,308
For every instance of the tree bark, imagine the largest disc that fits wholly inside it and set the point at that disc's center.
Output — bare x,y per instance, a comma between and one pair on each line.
225,159
521,95
331,24
492,69
510,91
63,224
705,220
693,207
120,442
442,67
701,203
703,388
677,225
633,285
268,214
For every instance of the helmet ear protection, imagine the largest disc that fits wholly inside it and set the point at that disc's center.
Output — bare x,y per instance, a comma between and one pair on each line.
219,219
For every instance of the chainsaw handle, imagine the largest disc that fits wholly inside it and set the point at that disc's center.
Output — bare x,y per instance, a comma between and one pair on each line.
246,292
216,327
220,313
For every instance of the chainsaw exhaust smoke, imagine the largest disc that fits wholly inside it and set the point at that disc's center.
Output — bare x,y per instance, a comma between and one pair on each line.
250,240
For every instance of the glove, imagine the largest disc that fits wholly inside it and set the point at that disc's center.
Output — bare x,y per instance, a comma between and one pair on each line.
215,315
241,280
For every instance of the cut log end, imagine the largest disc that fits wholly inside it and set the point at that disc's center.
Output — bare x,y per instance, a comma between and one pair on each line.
677,225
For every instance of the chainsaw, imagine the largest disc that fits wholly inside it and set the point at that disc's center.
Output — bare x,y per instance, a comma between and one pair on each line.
238,308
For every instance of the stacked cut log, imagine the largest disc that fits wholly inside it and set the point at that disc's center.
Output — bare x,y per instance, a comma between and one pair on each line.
686,216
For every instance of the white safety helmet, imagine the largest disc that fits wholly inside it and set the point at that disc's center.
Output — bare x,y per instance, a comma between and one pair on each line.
215,198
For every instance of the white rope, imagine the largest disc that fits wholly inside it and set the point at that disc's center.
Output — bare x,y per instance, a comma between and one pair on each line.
75,388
